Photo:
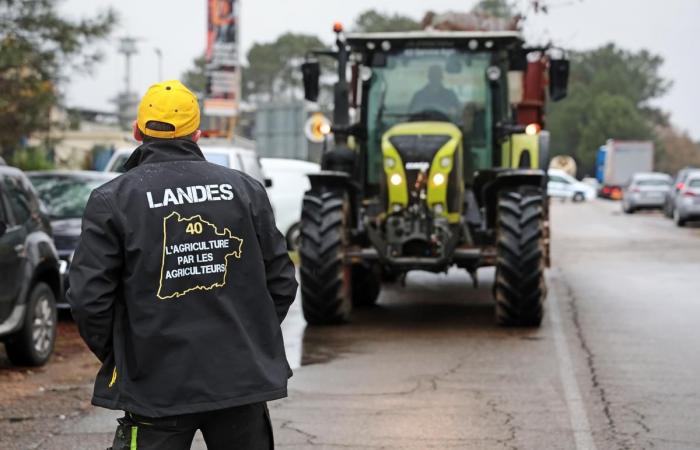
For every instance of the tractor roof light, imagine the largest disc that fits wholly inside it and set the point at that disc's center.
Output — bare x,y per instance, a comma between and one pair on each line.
396,179
532,129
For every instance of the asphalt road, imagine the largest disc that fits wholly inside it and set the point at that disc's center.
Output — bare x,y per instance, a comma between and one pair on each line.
615,365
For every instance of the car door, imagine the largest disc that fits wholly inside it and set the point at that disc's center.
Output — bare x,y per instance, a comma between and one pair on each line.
12,252
558,187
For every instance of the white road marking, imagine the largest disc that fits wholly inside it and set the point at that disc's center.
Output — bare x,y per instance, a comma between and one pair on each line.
583,437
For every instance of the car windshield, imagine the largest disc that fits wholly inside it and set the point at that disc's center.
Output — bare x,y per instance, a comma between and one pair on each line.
653,182
221,159
64,197
442,84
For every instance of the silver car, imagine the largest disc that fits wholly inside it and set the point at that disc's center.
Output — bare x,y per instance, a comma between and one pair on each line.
687,205
646,190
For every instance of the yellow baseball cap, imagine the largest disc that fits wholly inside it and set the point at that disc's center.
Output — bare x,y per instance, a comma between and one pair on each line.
172,103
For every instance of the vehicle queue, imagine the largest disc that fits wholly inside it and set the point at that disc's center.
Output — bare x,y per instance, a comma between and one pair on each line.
41,214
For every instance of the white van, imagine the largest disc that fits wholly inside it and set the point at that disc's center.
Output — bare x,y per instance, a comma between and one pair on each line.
289,183
239,158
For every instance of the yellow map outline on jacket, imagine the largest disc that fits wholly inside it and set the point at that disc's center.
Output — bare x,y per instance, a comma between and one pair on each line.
226,232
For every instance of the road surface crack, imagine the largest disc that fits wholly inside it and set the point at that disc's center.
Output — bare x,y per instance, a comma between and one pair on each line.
509,441
590,357
310,438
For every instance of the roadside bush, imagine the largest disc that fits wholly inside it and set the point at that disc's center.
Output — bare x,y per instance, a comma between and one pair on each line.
32,158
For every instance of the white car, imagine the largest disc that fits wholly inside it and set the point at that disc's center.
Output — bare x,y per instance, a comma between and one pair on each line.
564,186
243,159
289,182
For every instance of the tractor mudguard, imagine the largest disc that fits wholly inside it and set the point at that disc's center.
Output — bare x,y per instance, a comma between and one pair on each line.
497,180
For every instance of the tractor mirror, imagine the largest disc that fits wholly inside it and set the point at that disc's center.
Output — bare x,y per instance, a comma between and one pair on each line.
558,78
311,73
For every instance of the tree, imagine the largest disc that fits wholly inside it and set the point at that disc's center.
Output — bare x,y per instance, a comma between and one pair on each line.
373,21
610,90
273,68
195,78
679,150
36,45
496,8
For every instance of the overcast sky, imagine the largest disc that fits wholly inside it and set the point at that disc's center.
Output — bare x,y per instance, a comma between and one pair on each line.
178,28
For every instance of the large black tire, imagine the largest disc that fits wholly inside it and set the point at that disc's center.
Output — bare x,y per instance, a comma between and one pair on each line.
325,278
366,285
33,344
520,288
293,237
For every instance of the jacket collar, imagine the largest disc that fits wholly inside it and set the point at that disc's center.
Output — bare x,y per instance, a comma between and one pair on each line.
164,151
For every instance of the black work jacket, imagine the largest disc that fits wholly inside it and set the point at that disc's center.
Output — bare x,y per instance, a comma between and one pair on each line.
179,286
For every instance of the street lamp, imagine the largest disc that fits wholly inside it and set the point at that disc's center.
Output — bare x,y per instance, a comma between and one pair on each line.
159,54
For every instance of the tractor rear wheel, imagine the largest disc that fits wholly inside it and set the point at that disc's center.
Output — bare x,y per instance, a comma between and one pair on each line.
520,286
324,275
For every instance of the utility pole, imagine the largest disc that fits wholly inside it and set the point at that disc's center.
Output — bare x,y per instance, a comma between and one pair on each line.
127,47
159,54
127,101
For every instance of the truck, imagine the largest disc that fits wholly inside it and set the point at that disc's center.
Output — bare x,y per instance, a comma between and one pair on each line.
618,160
438,159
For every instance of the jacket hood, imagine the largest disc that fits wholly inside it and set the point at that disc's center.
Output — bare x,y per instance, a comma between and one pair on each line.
164,150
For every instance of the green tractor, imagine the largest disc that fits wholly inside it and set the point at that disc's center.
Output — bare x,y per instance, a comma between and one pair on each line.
438,159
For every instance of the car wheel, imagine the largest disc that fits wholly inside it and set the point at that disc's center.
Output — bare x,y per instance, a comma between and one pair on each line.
578,197
627,208
677,218
293,237
34,343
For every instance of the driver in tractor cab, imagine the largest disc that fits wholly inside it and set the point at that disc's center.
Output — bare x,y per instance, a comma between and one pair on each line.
434,96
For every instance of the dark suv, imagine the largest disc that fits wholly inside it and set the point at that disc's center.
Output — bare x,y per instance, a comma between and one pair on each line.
29,272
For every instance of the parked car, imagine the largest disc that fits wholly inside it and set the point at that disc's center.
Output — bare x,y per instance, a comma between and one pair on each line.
564,186
645,191
678,184
239,158
29,273
290,181
688,200
64,195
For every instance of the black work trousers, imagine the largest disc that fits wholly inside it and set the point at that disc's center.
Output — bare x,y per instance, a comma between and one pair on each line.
244,427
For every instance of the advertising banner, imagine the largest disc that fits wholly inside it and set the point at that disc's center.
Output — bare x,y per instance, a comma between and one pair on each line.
223,73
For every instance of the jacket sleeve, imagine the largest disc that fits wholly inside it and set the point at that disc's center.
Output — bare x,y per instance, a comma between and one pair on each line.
279,269
95,274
